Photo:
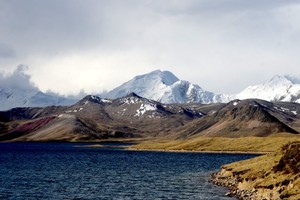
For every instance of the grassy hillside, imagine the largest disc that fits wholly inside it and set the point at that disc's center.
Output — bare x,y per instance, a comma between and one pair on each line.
272,176
245,144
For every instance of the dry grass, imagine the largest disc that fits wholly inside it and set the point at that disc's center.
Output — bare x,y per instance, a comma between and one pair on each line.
262,173
245,144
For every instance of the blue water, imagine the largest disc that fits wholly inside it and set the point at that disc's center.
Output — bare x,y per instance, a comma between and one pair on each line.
65,171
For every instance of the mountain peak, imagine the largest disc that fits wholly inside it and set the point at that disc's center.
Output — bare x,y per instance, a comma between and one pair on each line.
162,86
90,98
93,99
285,79
165,77
279,88
279,80
132,94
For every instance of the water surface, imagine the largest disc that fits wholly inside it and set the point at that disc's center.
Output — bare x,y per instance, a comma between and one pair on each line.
64,171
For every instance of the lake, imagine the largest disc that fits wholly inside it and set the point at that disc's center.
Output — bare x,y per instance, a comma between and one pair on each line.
73,171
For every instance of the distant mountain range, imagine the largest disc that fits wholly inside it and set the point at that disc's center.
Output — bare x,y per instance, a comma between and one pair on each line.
279,88
161,86
94,118
165,87
16,97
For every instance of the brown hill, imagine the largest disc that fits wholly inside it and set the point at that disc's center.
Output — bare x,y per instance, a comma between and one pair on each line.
95,118
241,119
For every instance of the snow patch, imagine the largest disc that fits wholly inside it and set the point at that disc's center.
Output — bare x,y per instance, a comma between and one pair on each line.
294,112
74,111
264,105
143,108
131,100
94,97
106,100
281,109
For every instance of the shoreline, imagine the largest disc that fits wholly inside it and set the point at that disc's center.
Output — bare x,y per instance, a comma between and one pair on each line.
271,176
101,144
204,151
130,148
232,182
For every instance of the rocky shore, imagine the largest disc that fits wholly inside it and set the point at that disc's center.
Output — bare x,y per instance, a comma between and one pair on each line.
232,182
272,176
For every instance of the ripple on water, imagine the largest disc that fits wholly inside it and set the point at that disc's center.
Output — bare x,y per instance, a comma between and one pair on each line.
62,171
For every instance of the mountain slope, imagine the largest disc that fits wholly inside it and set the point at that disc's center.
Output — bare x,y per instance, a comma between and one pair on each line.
162,86
94,118
244,118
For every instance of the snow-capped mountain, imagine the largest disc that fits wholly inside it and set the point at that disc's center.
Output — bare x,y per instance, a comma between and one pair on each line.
163,86
17,97
17,90
279,88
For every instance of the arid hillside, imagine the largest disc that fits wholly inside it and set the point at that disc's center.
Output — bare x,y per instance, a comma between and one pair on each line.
132,116
272,176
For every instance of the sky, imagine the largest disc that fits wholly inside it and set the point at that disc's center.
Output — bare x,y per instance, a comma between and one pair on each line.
70,46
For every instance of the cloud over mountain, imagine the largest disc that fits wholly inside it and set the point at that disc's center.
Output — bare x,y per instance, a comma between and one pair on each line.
18,79
17,90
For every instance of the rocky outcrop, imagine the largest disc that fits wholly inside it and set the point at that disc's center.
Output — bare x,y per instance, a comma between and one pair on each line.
223,179
272,176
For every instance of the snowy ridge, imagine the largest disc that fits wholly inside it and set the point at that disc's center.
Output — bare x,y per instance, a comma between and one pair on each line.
15,97
161,86
279,88
165,87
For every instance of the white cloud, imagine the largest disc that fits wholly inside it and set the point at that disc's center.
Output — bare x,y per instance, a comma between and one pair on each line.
97,44
17,80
